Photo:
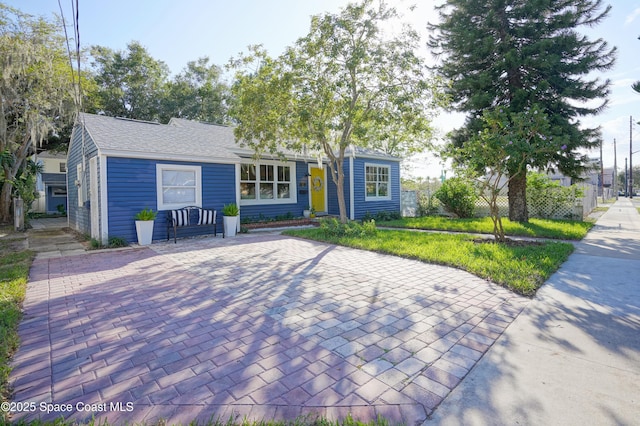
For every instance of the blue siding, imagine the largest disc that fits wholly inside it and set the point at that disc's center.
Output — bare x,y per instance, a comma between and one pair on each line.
361,205
79,217
132,187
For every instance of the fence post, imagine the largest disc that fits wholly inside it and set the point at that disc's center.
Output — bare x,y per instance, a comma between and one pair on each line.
18,214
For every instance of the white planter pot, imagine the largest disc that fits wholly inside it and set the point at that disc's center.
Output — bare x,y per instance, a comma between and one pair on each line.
144,229
230,225
306,214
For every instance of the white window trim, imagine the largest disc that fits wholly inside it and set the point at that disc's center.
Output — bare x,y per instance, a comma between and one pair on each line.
79,183
161,205
293,184
375,197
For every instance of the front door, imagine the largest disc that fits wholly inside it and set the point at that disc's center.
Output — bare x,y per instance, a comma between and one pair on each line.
317,185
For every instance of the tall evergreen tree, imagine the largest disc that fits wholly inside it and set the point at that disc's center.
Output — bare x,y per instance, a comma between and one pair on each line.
514,54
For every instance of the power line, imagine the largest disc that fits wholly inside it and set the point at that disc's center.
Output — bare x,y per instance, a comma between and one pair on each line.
77,87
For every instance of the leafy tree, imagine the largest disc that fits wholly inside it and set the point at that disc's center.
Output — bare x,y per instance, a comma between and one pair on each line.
130,83
197,94
36,94
621,177
514,54
342,85
502,151
25,183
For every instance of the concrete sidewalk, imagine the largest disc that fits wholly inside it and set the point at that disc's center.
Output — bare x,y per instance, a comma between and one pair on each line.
573,356
51,238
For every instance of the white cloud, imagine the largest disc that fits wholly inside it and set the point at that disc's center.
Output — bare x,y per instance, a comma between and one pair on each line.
632,16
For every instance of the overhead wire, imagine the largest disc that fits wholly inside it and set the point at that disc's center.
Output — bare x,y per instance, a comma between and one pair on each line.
77,87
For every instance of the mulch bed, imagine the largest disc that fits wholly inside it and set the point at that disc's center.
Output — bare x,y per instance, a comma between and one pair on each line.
509,242
280,223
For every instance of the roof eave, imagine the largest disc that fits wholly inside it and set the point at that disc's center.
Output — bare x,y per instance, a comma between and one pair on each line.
170,157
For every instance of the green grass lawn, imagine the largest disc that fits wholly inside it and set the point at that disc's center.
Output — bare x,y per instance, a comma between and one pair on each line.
542,228
14,271
521,268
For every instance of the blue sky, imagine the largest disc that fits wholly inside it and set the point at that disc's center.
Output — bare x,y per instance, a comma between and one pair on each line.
179,31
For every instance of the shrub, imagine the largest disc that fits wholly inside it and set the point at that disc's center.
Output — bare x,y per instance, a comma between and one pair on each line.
230,210
116,242
146,214
95,244
457,196
428,204
387,215
545,198
334,228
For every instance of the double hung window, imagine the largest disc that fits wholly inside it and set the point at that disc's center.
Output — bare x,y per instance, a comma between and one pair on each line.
377,182
178,186
267,182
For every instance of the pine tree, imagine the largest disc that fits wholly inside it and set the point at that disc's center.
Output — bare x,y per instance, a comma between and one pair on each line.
515,54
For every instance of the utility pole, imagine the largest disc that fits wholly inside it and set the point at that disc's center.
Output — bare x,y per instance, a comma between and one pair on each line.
626,178
630,157
601,172
615,169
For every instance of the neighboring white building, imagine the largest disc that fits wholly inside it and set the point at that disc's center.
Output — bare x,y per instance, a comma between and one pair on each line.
51,183
591,176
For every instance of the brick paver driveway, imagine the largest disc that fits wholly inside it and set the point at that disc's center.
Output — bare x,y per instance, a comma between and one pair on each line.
265,326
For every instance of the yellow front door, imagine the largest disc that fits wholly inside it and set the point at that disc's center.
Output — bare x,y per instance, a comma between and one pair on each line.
318,187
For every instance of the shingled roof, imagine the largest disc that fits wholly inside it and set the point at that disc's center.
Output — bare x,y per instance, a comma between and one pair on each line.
179,140
126,137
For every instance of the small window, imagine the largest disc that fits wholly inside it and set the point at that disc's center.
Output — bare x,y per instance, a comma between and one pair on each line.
178,186
63,167
377,181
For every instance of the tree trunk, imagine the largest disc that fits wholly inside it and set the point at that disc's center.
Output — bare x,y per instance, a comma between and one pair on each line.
342,206
5,202
518,211
336,167
10,173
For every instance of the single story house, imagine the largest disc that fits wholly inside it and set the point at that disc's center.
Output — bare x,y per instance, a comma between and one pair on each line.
51,183
117,167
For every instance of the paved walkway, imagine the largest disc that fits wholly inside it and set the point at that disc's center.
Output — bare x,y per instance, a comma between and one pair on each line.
49,238
573,356
259,325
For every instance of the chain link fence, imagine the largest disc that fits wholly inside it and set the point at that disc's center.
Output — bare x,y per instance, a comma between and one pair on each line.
566,203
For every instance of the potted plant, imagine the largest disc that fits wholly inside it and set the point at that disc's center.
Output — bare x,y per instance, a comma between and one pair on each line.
306,213
144,226
312,212
231,214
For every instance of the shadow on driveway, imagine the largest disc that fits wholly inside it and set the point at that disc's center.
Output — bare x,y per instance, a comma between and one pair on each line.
265,326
